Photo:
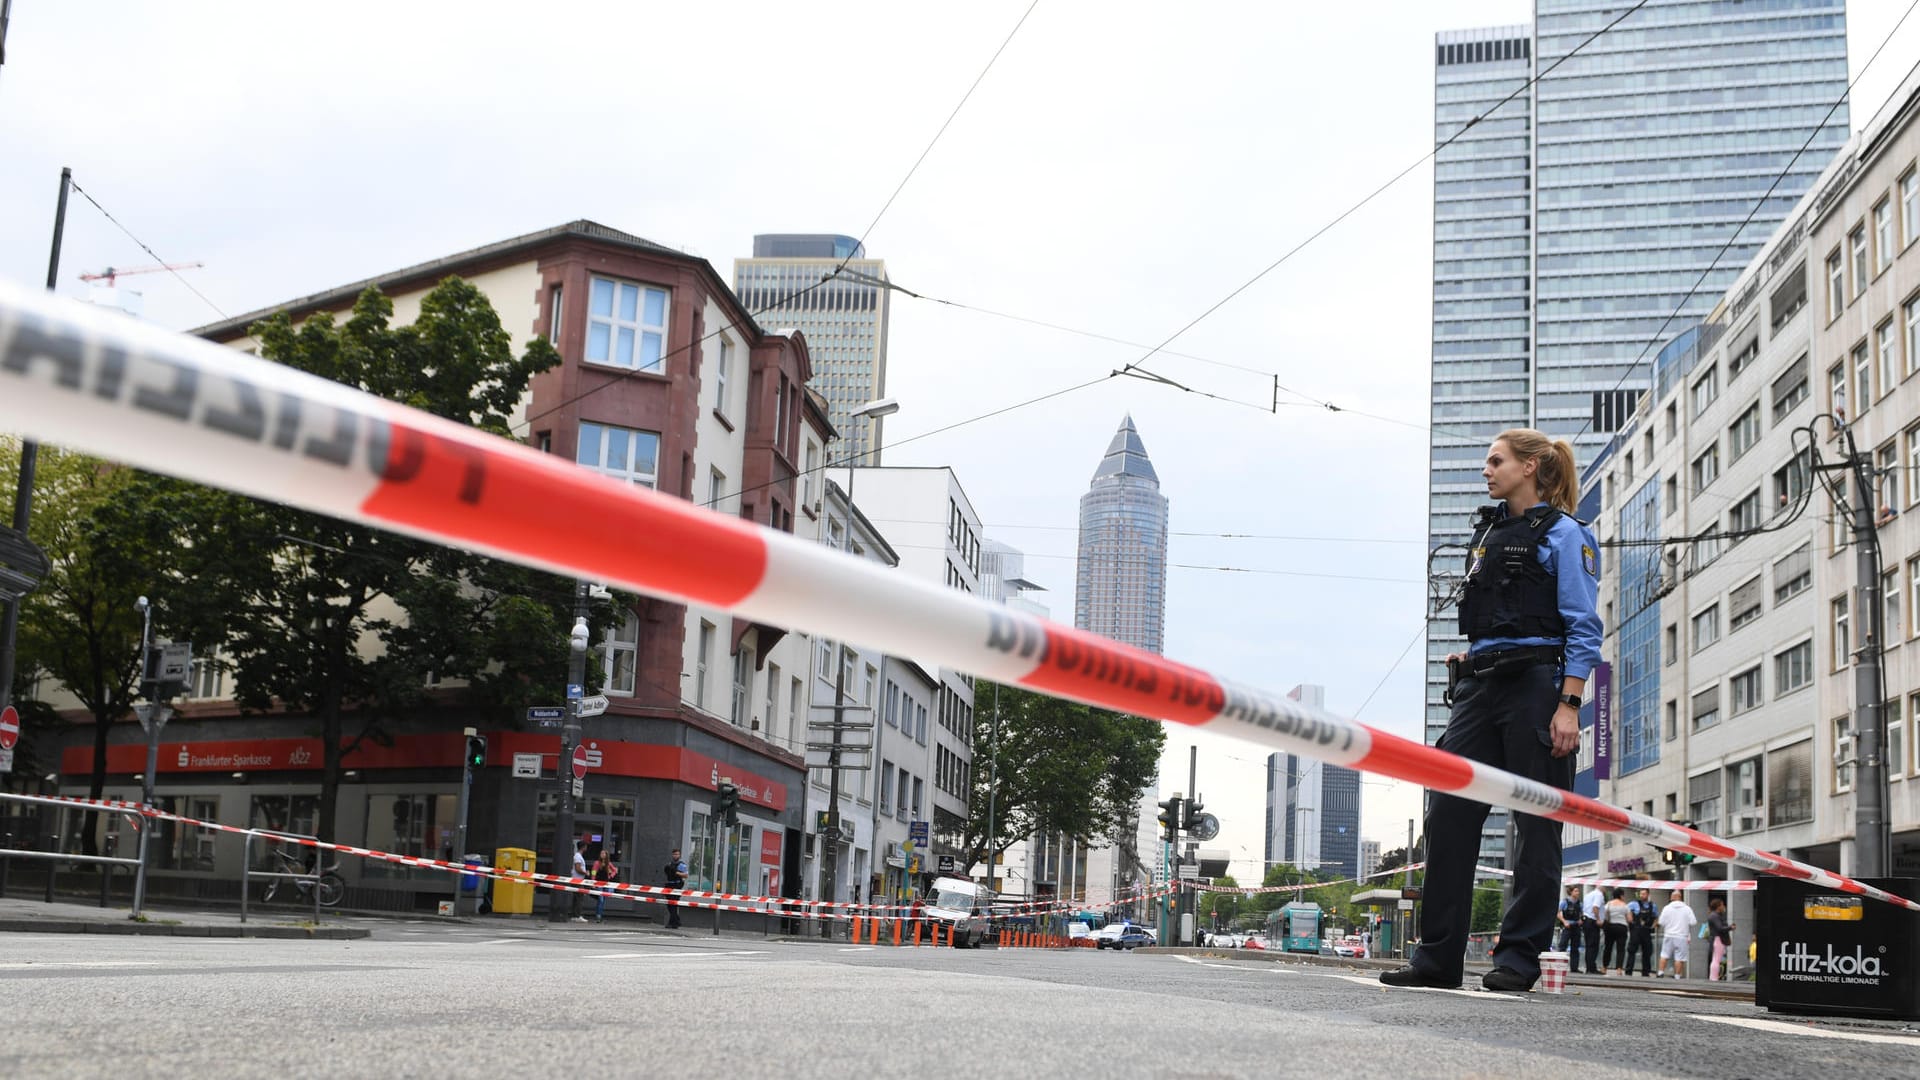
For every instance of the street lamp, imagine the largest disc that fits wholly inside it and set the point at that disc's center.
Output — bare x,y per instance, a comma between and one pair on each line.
830,833
569,738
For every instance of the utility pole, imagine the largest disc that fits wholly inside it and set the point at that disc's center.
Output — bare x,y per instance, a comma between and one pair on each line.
29,450
460,813
569,738
153,717
993,788
830,831
1870,832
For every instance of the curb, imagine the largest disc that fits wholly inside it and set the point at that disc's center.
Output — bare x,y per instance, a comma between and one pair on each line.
160,929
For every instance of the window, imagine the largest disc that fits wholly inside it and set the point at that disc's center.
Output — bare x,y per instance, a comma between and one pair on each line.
1790,784
1862,378
1837,390
918,787
1882,235
1911,312
553,316
1909,207
1896,755
1706,468
1703,801
1626,469
1706,628
900,800
1673,720
1743,359
1793,668
701,661
1743,518
806,478
1836,285
1913,466
1890,605
1673,644
1857,249
716,488
1913,598
1746,797
1913,741
893,704
1842,651
622,453
1705,390
1673,420
886,787
1886,349
1791,481
1886,464
1744,432
1745,605
620,654
1705,709
1840,516
722,369
626,324
1790,389
1842,754
823,657
742,686
1706,548
1673,493
1793,574
770,723
1748,693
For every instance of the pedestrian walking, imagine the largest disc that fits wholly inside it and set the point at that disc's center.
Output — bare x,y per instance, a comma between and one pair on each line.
1590,913
580,876
1568,918
1527,609
1720,930
1640,933
1677,921
1613,925
604,872
676,878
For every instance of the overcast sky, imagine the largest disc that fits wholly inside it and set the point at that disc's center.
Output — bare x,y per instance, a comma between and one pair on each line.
1123,166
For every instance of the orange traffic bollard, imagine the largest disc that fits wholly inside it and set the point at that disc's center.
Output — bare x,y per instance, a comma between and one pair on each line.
916,933
896,933
858,925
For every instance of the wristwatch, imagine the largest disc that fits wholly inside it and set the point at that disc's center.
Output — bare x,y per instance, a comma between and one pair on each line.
1571,699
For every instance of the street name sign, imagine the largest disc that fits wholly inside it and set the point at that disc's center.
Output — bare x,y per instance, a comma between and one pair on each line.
594,705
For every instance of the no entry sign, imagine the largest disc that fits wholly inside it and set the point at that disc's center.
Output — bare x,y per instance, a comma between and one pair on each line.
9,728
580,762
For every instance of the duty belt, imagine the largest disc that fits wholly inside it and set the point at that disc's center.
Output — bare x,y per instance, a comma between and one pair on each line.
1487,663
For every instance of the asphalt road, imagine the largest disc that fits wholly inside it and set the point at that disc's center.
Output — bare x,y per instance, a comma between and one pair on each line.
435,1000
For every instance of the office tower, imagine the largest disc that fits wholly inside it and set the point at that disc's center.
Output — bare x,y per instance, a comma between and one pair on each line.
1571,222
790,282
1120,587
1313,809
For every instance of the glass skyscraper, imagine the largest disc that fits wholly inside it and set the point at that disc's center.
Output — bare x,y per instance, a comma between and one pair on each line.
1571,223
1120,583
844,320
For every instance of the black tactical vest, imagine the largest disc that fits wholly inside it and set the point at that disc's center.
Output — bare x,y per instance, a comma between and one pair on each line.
1508,592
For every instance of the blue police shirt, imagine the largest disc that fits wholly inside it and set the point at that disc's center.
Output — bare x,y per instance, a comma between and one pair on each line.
1572,555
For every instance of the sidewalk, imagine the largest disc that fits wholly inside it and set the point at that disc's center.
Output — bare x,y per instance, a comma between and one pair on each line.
23,916
1736,991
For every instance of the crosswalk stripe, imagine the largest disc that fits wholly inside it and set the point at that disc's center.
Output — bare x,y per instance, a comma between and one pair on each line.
1781,1027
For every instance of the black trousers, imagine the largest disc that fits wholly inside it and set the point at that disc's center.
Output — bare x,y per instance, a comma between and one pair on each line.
1502,719
1615,952
1590,930
1639,943
1570,944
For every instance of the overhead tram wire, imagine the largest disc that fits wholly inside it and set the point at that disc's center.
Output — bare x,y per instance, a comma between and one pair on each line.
837,271
104,212
1659,335
1397,177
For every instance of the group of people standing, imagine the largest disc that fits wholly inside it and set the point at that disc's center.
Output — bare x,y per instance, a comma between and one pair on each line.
1615,931
605,870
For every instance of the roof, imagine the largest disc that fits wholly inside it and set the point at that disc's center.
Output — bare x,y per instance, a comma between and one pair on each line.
1126,456
342,296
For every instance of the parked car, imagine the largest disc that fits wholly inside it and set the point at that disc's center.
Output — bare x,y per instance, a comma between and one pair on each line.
1133,937
1348,946
1252,942
1104,937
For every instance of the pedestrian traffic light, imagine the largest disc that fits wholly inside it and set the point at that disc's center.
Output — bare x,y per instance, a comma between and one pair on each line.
727,806
1666,856
1684,858
1169,818
476,751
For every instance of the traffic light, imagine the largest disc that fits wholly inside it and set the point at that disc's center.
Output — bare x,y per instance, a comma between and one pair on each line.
1190,814
1667,856
727,806
476,751
1684,858
1169,818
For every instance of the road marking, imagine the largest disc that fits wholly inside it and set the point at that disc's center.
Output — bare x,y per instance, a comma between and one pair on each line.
1478,995
665,955
29,965
1783,1028
502,941
863,948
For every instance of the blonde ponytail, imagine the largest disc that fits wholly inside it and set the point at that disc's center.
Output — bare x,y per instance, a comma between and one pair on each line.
1555,473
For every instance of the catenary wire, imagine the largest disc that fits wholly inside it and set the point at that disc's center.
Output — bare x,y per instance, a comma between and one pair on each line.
1845,95
75,184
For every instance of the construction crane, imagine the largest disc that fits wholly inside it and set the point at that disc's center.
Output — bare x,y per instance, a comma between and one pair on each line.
110,273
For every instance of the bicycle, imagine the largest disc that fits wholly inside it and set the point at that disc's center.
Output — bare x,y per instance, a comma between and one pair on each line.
332,885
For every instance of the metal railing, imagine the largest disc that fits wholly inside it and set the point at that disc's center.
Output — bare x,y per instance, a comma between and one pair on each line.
53,856
247,873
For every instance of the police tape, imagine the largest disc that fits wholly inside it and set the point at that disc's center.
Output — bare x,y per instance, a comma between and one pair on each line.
702,899
101,383
1305,886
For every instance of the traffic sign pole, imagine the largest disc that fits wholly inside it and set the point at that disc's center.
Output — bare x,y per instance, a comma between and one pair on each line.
569,736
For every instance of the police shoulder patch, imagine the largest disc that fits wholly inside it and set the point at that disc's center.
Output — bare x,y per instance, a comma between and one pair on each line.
1588,560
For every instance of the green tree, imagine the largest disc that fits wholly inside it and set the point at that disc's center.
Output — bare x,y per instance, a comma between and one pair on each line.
334,619
1219,908
1486,910
1062,768
112,534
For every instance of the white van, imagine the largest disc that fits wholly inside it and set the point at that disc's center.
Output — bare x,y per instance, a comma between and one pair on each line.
963,906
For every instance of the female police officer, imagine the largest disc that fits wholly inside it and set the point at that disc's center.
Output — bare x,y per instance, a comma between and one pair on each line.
1527,611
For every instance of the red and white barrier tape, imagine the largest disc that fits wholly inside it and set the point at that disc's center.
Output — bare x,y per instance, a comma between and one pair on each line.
1721,885
99,382
1304,886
